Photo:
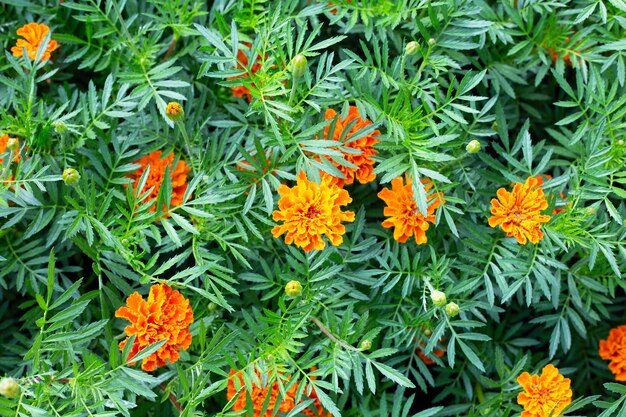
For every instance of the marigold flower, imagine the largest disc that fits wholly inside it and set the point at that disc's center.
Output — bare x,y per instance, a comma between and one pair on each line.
309,210
243,62
157,174
4,145
402,210
519,212
33,34
613,349
259,394
437,352
174,111
545,395
166,314
364,162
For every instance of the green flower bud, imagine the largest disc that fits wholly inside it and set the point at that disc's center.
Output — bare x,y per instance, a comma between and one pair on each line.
59,126
412,48
293,288
452,309
174,111
620,142
212,307
298,66
366,344
70,176
494,126
9,388
473,146
438,298
13,144
427,332
432,41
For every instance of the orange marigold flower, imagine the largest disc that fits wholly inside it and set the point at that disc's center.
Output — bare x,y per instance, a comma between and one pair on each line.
259,394
437,352
364,162
519,212
4,139
309,210
556,210
166,314
613,349
243,62
157,174
33,34
402,210
545,395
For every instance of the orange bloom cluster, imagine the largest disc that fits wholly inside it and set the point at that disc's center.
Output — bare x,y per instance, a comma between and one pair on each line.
365,145
519,212
157,174
33,34
402,210
4,139
545,395
243,62
613,349
259,394
437,352
334,11
310,210
566,57
166,314
540,181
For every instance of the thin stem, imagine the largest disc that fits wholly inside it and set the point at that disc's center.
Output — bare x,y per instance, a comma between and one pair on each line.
172,398
331,336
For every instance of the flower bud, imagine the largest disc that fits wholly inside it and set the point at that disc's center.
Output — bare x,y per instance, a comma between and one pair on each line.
438,297
298,66
494,126
432,41
473,146
59,126
427,332
70,176
13,144
293,288
174,111
412,48
620,142
212,307
452,309
366,344
9,388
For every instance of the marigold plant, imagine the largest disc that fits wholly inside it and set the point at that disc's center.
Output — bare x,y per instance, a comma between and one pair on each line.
33,35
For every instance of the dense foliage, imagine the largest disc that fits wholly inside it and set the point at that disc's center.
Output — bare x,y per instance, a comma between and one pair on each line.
358,208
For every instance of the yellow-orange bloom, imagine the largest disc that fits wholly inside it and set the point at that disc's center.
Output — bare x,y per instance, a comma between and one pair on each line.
157,175
166,314
4,139
519,212
545,395
33,34
613,349
309,210
437,352
259,394
402,210
364,162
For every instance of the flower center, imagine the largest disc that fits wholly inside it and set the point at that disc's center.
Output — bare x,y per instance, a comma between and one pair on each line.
312,212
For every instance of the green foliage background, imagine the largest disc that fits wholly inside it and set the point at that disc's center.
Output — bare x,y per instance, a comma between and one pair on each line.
71,255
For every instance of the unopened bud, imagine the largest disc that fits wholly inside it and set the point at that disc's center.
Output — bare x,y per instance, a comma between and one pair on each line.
70,176
212,306
427,332
438,297
298,66
473,146
494,126
452,309
293,288
412,48
9,388
174,111
366,344
13,144
59,126
432,41
620,142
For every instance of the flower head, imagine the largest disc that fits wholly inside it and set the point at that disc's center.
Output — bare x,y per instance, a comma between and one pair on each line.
242,63
402,210
157,175
613,349
293,288
438,352
545,395
166,314
33,34
174,111
7,142
309,210
364,171
519,212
